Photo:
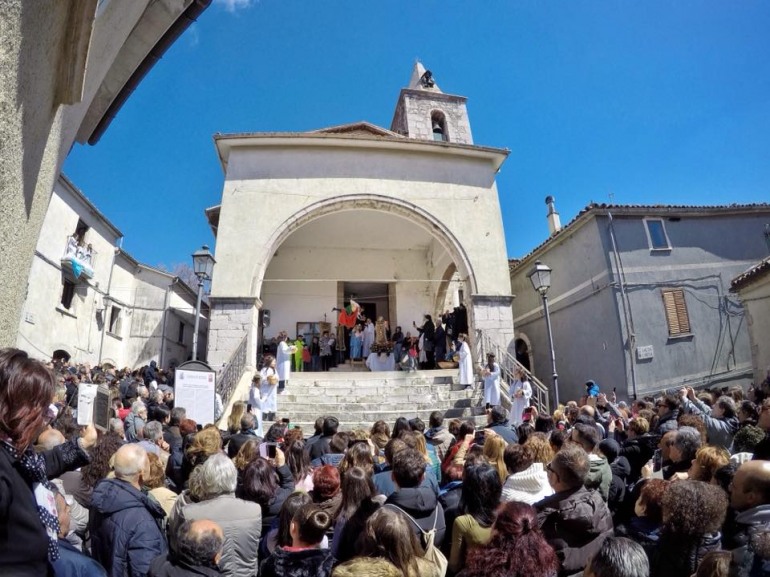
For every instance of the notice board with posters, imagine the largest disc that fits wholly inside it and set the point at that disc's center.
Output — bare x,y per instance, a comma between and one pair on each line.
195,390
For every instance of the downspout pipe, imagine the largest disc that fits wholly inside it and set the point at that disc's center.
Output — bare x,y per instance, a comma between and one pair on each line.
627,316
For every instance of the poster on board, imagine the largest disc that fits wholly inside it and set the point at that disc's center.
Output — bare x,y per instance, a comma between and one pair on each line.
93,405
196,392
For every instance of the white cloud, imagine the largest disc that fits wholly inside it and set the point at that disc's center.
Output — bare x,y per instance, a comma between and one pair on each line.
233,5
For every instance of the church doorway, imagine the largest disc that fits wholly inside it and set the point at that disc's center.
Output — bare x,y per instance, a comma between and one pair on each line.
374,299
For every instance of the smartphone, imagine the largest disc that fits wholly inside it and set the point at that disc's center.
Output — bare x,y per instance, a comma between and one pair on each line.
271,450
286,421
479,438
657,460
267,450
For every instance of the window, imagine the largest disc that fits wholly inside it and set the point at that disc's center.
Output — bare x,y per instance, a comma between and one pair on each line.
67,294
656,234
180,338
676,312
438,125
115,320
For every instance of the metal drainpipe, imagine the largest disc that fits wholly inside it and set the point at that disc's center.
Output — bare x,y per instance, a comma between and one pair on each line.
629,320
106,295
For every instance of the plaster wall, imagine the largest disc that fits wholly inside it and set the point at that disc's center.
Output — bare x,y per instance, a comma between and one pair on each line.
307,300
584,316
592,331
30,130
55,58
46,325
264,188
122,292
755,298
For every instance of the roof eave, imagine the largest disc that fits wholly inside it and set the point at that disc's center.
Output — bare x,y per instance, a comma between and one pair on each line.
226,142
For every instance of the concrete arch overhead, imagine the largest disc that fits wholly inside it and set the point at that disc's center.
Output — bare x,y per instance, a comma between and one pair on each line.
367,202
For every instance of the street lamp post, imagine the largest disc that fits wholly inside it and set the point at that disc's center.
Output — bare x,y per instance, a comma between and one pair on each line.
540,276
203,266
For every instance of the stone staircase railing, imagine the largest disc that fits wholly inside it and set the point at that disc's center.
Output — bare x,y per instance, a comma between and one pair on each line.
228,379
508,363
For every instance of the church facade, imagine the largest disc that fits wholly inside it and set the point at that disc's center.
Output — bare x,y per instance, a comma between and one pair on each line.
405,220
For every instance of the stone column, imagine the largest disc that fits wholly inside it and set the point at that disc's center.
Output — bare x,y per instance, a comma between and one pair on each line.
231,318
493,315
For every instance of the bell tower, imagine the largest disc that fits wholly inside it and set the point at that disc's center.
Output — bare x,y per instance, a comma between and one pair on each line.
424,112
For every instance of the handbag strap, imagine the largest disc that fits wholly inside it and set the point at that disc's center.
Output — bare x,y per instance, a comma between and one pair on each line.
425,533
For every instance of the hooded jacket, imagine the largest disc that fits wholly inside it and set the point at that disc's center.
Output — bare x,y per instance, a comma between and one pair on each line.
599,475
575,522
125,531
421,503
302,563
441,439
528,486
720,430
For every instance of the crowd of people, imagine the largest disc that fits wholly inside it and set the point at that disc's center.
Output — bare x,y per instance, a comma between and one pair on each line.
671,486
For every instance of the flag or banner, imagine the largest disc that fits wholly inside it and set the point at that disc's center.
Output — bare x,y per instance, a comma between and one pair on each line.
349,315
77,268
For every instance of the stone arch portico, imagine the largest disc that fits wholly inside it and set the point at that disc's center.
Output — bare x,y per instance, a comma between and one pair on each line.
291,200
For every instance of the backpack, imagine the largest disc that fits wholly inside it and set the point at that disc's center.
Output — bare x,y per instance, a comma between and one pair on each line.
432,553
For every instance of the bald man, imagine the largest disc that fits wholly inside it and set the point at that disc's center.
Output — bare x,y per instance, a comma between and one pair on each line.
199,545
750,498
125,533
50,439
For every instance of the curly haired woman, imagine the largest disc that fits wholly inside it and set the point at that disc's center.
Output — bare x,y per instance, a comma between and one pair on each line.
693,514
517,547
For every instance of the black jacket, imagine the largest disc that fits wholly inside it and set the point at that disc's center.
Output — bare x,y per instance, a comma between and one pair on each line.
421,503
239,440
320,447
285,488
23,540
165,566
125,535
304,563
638,451
575,523
676,555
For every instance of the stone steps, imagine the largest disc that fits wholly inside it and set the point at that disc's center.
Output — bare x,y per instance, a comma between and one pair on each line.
358,399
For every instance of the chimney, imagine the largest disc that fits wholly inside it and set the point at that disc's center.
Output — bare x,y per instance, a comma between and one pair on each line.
554,223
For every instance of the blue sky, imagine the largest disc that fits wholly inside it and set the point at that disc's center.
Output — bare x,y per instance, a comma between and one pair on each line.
634,102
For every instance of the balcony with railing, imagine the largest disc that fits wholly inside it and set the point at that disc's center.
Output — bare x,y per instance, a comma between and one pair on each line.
79,258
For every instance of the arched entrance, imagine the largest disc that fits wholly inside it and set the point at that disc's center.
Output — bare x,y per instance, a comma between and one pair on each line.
61,355
373,204
523,352
387,255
